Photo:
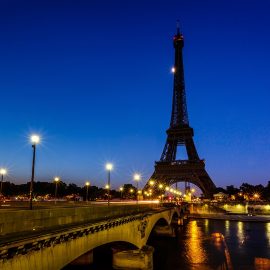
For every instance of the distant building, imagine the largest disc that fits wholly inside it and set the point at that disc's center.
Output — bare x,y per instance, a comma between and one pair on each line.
221,197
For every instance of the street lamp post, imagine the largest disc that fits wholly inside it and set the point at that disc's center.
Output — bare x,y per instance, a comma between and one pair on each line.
3,172
109,167
121,190
137,178
151,183
131,191
87,184
35,139
160,186
56,180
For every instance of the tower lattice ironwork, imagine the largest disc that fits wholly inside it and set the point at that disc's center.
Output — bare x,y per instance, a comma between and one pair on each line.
169,169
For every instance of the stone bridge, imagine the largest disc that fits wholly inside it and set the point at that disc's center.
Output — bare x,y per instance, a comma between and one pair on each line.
49,239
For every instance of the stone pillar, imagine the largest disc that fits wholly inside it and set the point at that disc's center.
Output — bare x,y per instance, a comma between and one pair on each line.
165,230
139,259
85,259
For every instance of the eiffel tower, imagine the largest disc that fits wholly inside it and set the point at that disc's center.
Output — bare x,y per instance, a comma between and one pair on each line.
169,169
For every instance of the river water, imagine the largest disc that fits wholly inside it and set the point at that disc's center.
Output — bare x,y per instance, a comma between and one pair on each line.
215,244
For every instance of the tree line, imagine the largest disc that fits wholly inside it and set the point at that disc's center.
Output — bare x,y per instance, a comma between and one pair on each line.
247,191
48,188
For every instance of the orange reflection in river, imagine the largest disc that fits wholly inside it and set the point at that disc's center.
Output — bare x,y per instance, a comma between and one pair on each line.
194,247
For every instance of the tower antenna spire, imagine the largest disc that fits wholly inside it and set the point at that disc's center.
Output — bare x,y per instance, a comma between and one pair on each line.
177,27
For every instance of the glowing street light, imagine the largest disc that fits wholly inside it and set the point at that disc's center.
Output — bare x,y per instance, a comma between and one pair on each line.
167,188
160,186
2,172
56,180
256,196
35,139
87,184
109,167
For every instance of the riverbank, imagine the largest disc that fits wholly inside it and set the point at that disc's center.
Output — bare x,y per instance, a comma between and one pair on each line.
233,217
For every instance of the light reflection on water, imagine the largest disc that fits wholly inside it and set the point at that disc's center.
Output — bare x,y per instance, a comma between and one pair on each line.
267,232
195,252
206,225
227,227
240,232
216,244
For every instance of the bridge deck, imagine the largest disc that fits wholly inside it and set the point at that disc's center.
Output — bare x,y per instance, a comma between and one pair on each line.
75,217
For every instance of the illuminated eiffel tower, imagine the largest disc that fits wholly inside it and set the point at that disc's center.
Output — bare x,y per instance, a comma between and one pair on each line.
169,170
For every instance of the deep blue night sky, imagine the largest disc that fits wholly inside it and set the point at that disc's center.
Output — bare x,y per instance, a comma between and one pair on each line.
93,77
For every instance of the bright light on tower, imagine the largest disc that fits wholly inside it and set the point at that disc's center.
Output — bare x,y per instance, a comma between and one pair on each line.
35,139
173,69
56,179
87,183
